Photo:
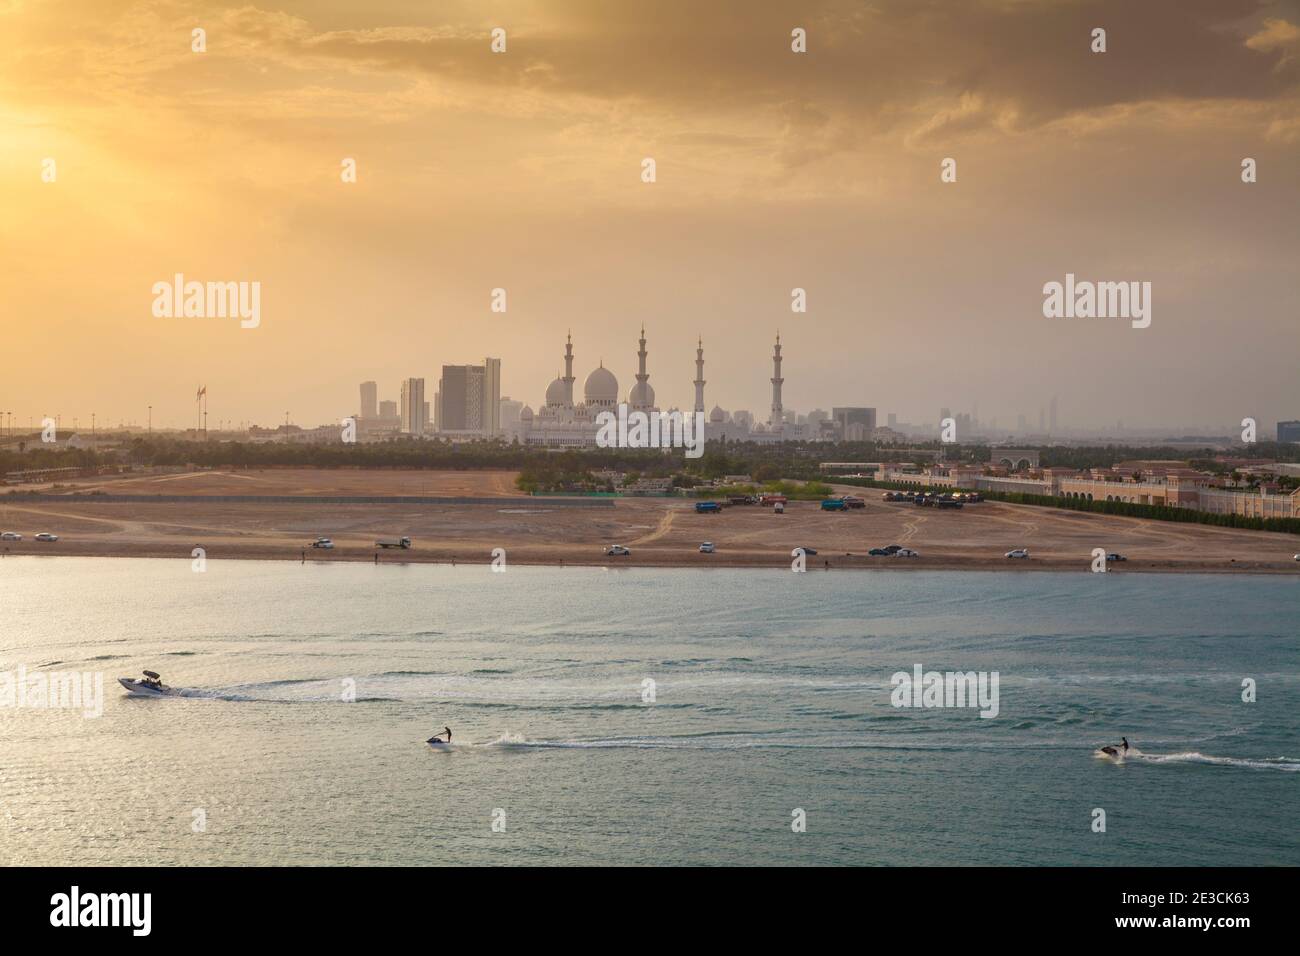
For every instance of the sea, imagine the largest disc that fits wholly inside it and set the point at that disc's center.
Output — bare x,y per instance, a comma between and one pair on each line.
628,716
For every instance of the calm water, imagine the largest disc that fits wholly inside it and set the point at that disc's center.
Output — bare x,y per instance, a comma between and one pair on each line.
772,693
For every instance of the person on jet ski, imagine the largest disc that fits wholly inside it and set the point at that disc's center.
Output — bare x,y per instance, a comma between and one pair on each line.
445,730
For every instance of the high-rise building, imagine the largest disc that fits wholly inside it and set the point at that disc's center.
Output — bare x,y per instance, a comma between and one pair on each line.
413,406
469,398
1288,431
848,415
369,400
1052,417
388,410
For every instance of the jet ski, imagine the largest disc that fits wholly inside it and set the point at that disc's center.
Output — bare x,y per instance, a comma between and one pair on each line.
150,685
1117,752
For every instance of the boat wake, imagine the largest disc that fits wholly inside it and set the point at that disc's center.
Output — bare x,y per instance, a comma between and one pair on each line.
1284,764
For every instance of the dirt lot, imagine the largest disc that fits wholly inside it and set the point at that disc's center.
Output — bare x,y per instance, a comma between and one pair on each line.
303,481
663,532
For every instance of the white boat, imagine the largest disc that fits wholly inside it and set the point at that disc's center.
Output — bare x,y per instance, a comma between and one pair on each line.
150,685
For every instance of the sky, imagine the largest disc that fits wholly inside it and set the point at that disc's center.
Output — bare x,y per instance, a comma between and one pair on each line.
774,170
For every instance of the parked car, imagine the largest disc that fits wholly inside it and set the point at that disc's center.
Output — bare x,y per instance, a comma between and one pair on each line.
906,553
707,548
46,536
809,551
11,536
1018,553
325,543
617,549
1115,556
878,553
894,548
707,507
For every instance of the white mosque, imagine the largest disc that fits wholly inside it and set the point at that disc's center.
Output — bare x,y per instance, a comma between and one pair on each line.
563,423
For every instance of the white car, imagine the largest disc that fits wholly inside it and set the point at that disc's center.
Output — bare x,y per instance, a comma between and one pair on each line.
46,536
1018,553
707,548
617,549
325,543
906,553
11,536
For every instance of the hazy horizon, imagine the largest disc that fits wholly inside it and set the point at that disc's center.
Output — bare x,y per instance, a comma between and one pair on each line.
775,170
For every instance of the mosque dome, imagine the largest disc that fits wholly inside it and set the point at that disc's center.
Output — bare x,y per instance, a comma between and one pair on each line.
642,395
526,415
717,416
555,393
601,388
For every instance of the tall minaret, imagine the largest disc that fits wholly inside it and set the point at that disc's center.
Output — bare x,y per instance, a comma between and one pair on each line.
568,371
777,418
699,376
642,376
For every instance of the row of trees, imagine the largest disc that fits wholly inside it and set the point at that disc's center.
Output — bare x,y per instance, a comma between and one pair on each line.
1126,508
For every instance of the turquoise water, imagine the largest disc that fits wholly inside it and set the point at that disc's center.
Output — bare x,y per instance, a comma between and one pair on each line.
771,694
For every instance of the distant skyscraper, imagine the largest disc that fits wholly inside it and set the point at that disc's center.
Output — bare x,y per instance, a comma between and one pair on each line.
369,400
469,398
1052,421
1288,431
865,417
413,405
388,410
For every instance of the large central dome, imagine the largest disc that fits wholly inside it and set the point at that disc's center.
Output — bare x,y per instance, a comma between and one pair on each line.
601,388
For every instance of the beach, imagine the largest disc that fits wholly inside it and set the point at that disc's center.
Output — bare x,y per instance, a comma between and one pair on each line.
463,517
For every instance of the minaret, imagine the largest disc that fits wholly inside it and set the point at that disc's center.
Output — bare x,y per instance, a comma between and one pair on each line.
699,376
642,376
777,418
568,371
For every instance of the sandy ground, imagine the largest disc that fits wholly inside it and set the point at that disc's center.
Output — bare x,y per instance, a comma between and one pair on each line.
660,532
302,481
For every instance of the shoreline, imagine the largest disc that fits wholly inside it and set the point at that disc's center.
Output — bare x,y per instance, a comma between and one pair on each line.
276,515
529,557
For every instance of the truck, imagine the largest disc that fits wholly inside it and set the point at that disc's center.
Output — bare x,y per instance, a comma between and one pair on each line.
834,504
778,508
403,543
707,507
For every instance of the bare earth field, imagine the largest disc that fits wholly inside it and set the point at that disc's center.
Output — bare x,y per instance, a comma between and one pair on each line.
660,532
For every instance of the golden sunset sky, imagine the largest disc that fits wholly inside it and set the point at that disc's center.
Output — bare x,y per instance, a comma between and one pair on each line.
775,170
